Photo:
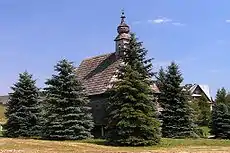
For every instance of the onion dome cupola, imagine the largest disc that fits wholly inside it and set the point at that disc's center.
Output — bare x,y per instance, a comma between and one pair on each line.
123,36
123,29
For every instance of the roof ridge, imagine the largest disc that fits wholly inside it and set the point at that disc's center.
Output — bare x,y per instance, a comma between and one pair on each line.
89,58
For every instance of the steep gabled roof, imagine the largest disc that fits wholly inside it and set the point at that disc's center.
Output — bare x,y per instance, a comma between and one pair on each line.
204,88
96,73
155,88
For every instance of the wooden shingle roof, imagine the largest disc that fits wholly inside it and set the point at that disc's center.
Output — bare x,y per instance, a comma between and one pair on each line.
96,72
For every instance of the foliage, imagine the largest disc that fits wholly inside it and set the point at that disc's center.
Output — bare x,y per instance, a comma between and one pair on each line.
176,115
135,56
202,111
67,115
220,121
205,111
227,99
23,109
221,96
194,104
131,110
200,132
206,130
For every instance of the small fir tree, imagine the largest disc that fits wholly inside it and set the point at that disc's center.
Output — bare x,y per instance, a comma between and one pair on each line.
194,104
221,96
177,118
131,110
220,121
205,111
67,115
23,110
160,78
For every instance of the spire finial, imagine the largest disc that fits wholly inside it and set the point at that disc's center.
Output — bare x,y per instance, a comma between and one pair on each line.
122,16
123,28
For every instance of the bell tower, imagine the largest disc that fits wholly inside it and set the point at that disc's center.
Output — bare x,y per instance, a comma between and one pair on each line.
123,36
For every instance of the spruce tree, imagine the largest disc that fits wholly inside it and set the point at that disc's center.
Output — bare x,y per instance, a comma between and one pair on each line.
136,57
221,95
177,120
160,78
131,110
23,110
220,121
67,115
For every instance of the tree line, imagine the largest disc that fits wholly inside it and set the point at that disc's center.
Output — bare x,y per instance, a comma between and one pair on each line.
61,111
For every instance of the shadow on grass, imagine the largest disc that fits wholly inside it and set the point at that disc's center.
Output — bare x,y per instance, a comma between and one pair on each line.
169,143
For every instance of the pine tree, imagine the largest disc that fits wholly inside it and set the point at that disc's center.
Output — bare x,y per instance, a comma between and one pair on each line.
220,121
131,110
177,121
23,109
67,115
221,95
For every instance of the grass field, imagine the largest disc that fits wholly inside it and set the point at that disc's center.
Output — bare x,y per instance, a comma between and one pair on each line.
95,146
2,115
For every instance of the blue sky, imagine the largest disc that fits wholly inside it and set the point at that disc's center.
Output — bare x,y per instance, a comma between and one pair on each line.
34,35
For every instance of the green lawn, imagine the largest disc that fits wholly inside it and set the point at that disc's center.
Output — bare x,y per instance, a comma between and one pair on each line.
170,143
206,130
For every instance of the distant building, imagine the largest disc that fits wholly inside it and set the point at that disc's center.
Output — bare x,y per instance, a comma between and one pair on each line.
4,99
197,91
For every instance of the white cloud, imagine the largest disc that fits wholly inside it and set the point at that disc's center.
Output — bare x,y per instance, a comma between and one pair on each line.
158,64
160,20
164,20
178,24
227,21
136,22
214,71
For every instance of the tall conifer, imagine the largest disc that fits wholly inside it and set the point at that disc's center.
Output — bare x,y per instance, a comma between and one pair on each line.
220,121
23,110
67,115
176,114
131,110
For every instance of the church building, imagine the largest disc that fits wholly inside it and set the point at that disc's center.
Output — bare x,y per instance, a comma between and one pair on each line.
96,74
